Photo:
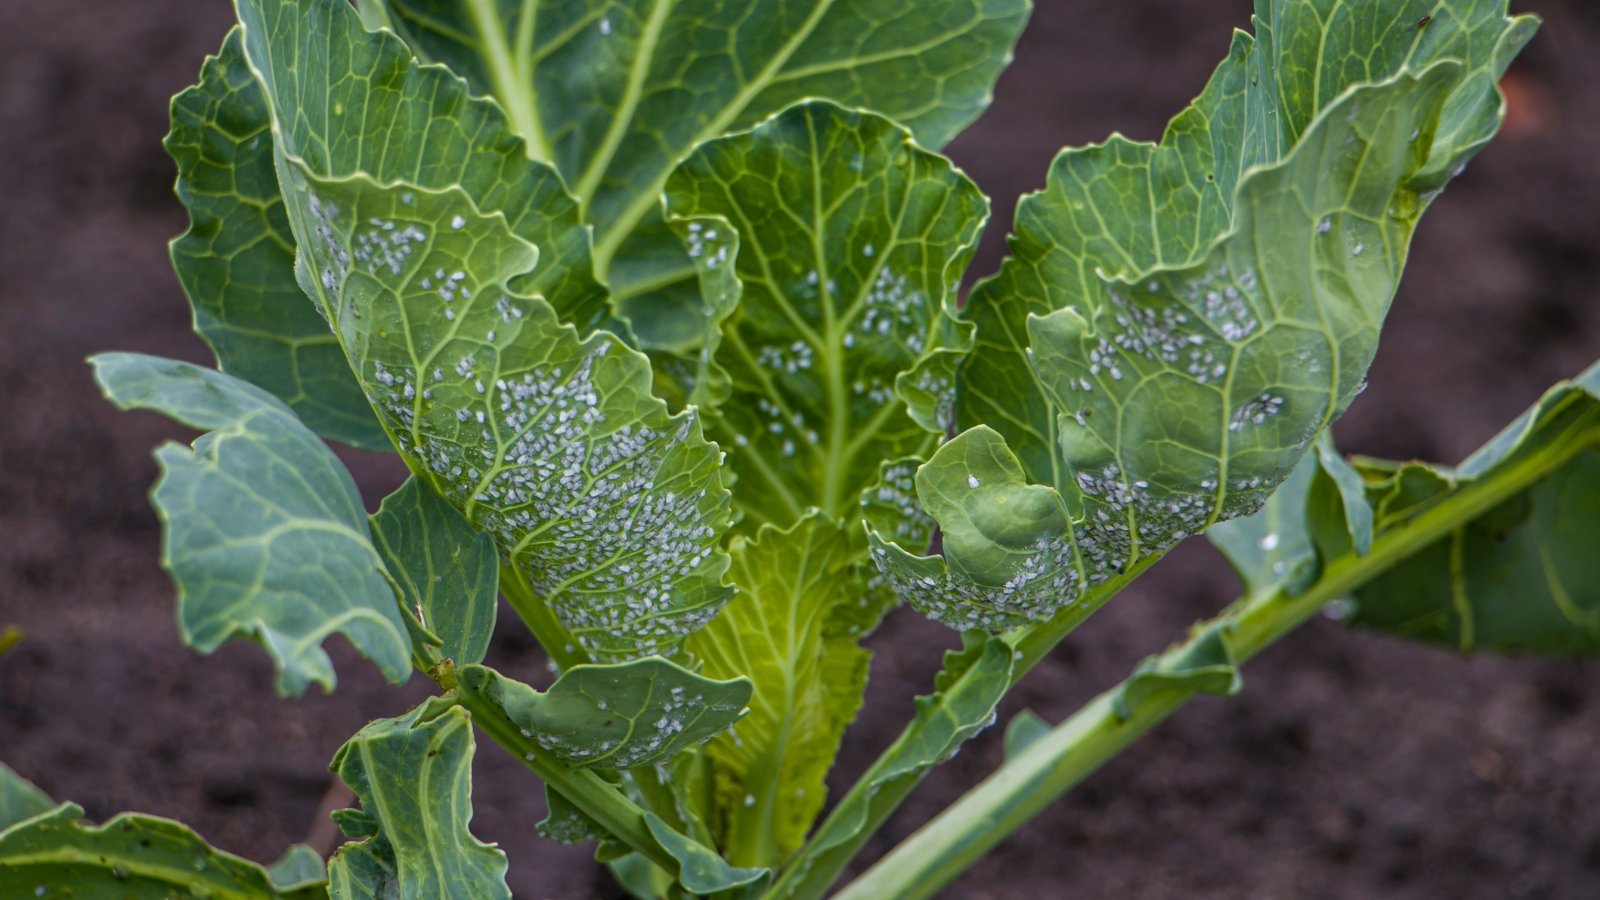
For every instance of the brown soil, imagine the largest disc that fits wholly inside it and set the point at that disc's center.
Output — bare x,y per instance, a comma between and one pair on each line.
1351,766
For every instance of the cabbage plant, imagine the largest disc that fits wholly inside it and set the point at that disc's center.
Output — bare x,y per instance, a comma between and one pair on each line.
660,302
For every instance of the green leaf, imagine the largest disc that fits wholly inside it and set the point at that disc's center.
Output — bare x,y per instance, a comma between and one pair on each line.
419,247
264,532
300,865
771,769
448,573
1177,322
617,93
700,870
236,261
565,823
966,692
56,854
617,716
851,241
1023,730
19,799
1319,511
1204,663
1521,577
330,86
413,775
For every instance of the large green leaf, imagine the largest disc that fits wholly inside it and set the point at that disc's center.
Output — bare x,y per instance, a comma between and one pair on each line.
58,855
448,573
616,92
434,251
851,242
1177,322
413,775
1521,575
264,532
236,261
1525,575
617,716
770,770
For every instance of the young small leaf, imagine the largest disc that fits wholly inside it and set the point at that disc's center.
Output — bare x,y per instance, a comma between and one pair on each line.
236,261
264,535
300,865
19,799
770,770
851,240
448,573
1023,730
617,716
413,775
1205,665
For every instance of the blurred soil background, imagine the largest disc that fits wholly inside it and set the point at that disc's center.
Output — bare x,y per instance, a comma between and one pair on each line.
1351,766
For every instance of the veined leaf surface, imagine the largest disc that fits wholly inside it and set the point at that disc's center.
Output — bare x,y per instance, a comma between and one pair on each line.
57,854
617,716
236,261
448,573
851,240
770,770
413,775
434,252
617,92
264,532
1178,322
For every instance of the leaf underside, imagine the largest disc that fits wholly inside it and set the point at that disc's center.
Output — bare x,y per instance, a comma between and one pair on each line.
1178,322
616,716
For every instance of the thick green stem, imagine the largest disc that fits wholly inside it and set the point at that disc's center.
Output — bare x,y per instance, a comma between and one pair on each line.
836,842
1026,784
599,799
556,640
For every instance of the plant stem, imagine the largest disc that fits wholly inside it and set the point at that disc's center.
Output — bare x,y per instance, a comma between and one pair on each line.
1022,787
556,640
816,867
599,799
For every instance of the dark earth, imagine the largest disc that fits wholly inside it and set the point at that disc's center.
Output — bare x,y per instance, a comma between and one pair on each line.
1352,766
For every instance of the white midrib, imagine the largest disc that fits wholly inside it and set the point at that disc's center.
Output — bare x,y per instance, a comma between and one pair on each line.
516,93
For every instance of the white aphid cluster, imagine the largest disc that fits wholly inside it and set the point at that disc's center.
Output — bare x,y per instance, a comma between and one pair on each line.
603,506
1046,581
891,309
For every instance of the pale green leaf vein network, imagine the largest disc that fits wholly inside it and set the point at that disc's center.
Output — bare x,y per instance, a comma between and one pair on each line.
850,240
